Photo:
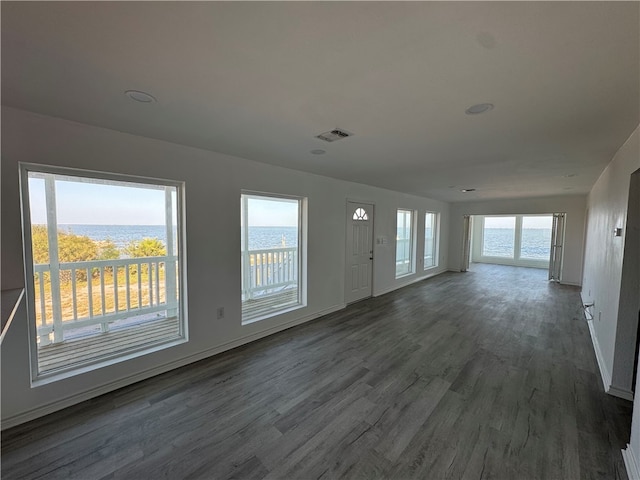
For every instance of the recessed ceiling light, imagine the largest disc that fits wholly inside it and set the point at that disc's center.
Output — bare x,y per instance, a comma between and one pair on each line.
318,152
466,190
138,96
479,108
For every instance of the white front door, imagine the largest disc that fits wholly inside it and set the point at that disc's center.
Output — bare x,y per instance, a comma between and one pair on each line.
359,251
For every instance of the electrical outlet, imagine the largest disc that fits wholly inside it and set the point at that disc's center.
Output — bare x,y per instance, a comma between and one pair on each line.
220,313
589,293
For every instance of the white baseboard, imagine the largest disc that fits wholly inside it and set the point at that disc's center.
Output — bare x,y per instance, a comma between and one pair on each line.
620,393
631,463
604,373
587,312
152,372
409,282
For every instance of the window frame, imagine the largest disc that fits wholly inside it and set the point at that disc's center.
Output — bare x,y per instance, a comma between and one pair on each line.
435,239
412,243
42,378
302,252
515,237
516,259
521,219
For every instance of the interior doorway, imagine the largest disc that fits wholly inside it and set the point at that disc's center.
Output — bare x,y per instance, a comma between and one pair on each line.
519,240
359,251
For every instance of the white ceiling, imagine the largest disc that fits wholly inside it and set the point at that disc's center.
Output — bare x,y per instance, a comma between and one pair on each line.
260,80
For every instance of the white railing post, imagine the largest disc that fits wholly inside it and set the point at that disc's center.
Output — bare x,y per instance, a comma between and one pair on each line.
272,268
104,326
54,260
103,316
171,291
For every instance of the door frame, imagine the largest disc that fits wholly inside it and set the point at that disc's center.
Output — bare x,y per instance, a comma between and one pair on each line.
347,216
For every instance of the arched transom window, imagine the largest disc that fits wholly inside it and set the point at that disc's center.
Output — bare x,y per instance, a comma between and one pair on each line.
360,214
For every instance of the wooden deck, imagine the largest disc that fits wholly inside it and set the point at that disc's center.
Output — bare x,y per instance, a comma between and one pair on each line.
58,355
261,306
92,347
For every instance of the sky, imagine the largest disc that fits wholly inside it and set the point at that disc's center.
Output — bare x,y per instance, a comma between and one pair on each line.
273,213
87,203
98,204
527,222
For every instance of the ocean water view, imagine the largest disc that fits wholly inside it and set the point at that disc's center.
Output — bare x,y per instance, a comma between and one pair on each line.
535,243
122,235
498,242
272,237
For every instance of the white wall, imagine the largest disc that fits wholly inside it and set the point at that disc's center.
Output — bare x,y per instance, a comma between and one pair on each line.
607,209
213,185
608,263
573,206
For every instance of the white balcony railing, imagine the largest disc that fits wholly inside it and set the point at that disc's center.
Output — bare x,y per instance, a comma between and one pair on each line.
101,292
269,271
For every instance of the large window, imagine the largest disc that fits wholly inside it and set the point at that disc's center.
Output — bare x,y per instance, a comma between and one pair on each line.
516,240
430,240
272,241
104,267
498,237
536,237
404,243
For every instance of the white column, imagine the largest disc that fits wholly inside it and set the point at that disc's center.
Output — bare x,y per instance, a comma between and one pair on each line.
170,277
246,259
517,241
54,261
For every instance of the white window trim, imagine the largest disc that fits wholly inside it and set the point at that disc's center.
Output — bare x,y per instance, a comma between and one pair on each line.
516,259
412,243
38,378
436,240
302,253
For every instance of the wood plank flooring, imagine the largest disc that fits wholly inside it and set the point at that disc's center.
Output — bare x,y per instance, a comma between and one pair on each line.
487,374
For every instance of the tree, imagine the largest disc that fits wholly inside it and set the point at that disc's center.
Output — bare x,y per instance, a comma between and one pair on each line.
147,247
40,244
71,248
76,248
107,250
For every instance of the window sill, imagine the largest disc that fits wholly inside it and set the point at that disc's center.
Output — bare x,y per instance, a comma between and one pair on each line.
266,316
398,277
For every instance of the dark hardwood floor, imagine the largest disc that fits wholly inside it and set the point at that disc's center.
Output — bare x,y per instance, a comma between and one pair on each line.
487,374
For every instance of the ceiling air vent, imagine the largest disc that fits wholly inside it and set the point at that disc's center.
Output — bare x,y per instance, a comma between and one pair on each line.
333,135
